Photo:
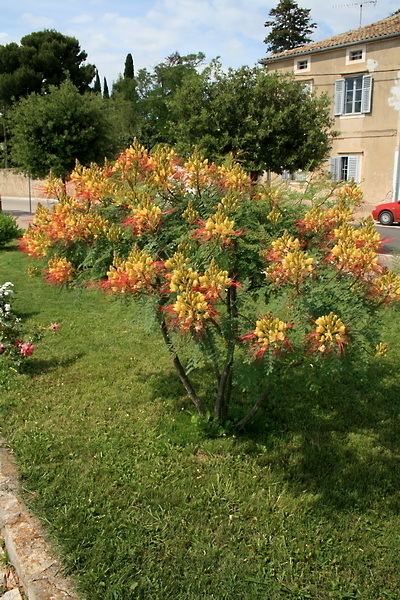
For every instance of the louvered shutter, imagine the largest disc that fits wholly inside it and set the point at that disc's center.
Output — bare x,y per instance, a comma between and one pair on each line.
353,172
334,168
339,96
366,94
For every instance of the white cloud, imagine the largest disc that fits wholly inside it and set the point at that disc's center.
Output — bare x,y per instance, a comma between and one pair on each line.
82,19
37,21
153,29
4,37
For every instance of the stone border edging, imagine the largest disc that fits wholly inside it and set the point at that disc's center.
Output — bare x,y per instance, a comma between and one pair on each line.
39,571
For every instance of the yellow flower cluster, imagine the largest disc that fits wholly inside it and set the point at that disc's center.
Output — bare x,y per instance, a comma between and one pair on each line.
381,349
387,287
135,274
183,278
163,159
356,249
294,268
91,183
219,226
214,281
230,202
146,217
274,216
320,220
196,292
54,187
350,193
197,171
282,245
59,271
269,333
177,261
192,310
330,333
190,214
233,177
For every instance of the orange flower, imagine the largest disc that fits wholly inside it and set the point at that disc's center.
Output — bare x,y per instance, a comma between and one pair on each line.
270,334
59,271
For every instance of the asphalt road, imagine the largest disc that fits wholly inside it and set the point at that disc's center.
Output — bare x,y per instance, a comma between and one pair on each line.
22,208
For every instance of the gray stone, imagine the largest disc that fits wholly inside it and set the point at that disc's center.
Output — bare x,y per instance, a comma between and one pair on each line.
12,595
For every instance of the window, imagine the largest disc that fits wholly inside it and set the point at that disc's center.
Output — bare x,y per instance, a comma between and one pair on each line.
355,55
346,168
302,65
308,86
353,95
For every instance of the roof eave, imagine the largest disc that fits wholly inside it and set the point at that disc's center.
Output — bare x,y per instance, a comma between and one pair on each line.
269,59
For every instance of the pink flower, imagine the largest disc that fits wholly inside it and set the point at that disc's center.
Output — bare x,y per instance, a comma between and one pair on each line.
26,348
2,348
54,326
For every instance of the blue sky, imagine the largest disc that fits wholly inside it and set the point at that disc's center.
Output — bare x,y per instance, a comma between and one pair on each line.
153,29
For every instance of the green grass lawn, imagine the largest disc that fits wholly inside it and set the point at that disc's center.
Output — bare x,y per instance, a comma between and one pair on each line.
143,506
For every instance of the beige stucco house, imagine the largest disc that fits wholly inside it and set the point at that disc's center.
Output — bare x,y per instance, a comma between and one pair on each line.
360,72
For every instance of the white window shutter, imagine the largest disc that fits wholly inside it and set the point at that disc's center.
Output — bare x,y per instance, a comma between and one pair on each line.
353,172
334,168
339,96
366,94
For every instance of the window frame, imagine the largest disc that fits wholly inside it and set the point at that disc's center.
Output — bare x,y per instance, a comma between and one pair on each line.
347,163
300,59
340,95
352,49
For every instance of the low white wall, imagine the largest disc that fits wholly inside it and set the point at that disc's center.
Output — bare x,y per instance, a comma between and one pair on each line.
17,185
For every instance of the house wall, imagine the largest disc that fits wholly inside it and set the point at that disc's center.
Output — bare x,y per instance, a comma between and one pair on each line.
374,136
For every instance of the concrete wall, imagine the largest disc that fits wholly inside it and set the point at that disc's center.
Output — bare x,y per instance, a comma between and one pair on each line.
375,136
17,185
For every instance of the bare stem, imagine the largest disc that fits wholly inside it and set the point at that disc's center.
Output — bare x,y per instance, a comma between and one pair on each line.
183,376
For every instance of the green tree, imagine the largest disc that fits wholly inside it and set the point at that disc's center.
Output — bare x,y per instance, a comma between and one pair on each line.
155,92
290,25
51,132
43,58
268,121
106,93
129,71
97,85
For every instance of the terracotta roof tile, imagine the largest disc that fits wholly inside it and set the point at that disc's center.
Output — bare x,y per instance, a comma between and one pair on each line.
389,27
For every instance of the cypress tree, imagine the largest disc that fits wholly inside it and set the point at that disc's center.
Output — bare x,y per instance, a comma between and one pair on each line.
97,86
129,71
105,89
290,26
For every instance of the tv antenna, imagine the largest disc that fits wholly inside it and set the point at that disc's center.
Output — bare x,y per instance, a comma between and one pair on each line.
359,4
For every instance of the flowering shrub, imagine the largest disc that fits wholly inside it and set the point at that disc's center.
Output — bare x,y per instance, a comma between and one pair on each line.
236,271
11,345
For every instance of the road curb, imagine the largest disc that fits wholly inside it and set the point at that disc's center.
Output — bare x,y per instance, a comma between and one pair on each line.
39,570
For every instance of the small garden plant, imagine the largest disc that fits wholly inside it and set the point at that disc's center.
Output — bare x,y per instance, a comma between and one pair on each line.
9,229
239,279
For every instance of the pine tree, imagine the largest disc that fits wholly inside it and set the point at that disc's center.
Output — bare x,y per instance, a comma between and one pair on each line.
129,71
290,26
105,89
97,86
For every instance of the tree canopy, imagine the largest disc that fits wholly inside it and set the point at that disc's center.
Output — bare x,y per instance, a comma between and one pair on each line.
51,132
268,121
129,71
290,25
42,59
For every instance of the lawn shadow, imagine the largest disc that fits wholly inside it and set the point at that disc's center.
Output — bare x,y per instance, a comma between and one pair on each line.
341,444
38,366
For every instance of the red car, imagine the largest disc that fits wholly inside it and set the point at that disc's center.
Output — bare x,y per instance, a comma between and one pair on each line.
387,213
